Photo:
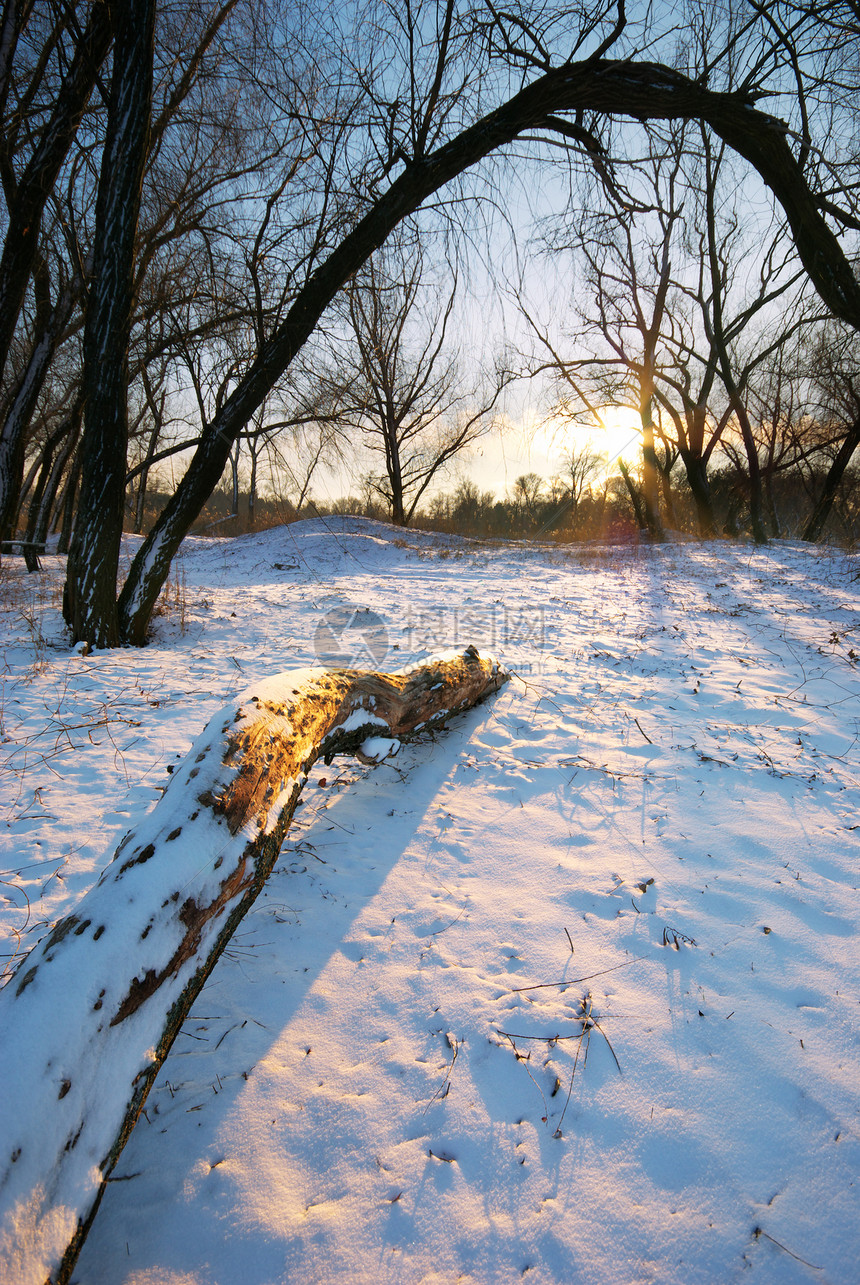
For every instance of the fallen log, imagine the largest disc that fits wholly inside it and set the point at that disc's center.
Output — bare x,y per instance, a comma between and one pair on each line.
89,1016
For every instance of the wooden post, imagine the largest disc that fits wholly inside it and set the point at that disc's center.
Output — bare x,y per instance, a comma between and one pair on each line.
89,1016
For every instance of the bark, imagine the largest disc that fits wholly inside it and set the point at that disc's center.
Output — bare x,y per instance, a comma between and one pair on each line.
91,575
635,498
755,496
67,506
643,91
650,473
697,479
49,499
817,520
91,1013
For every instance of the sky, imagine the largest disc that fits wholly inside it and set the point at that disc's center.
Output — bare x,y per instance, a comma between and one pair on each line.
525,444
536,446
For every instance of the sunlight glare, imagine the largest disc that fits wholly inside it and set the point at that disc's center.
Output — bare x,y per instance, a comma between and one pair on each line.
616,435
619,436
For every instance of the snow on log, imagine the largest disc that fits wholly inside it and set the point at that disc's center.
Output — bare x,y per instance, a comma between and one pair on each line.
91,1013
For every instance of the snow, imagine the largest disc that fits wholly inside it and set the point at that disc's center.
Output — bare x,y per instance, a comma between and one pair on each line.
639,860
379,747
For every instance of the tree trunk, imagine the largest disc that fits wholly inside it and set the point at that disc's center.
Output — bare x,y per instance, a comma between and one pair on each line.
697,478
650,478
90,594
736,402
666,489
635,498
818,518
68,506
756,519
770,504
23,402
254,448
49,499
140,496
47,465
234,480
91,1013
650,463
44,473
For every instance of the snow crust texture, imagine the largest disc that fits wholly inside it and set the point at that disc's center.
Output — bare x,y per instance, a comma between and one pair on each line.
567,993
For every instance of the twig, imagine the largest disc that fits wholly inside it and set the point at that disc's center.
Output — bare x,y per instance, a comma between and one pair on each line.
454,1045
608,1044
542,1039
582,1033
572,981
642,730
524,1059
759,1231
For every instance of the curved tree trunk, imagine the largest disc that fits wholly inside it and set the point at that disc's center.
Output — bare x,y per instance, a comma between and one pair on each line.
644,91
91,1013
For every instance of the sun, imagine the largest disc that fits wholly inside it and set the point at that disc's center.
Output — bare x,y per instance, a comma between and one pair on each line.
611,432
614,432
620,434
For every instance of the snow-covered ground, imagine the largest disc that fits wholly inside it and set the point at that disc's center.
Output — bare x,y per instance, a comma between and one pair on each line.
568,993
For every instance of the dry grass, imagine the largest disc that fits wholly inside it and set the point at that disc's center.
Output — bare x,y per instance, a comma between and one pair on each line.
172,604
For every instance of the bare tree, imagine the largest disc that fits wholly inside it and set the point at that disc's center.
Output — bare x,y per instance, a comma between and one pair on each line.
414,408
527,495
48,94
580,466
175,252
673,330
628,267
